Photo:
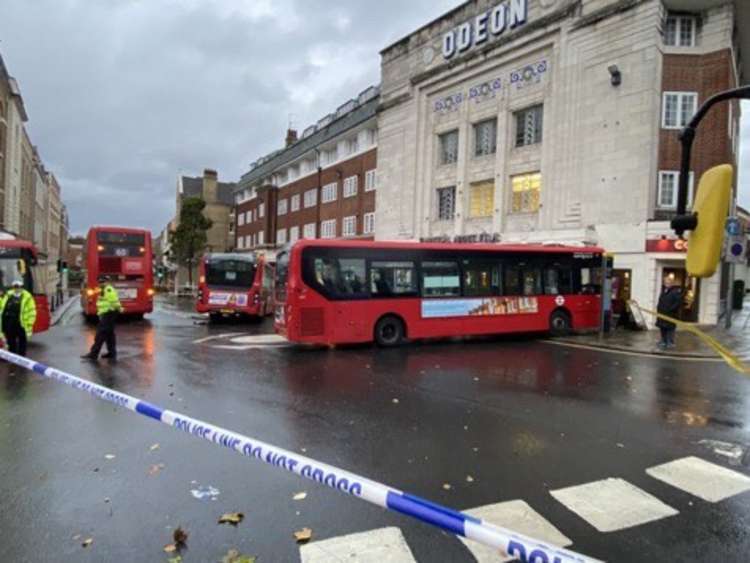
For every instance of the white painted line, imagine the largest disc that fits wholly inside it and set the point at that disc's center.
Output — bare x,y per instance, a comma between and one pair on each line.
260,339
702,479
613,504
218,337
386,545
650,355
519,516
732,452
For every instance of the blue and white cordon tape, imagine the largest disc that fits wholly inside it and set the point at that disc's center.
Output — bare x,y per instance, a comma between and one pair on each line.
508,543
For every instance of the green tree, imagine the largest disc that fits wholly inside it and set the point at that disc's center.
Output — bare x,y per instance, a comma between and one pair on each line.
189,239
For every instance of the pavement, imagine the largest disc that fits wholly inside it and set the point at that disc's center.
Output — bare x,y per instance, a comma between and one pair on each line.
622,457
687,345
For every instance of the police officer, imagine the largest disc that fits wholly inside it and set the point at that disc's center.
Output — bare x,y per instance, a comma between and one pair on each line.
17,317
107,308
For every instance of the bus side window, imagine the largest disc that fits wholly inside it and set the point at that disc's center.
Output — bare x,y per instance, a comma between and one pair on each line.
267,277
512,277
393,279
441,279
327,275
481,279
353,277
590,281
532,281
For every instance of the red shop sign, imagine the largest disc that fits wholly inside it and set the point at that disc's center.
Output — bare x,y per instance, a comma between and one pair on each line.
666,245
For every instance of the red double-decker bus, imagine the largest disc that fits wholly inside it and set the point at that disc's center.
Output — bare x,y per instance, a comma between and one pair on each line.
125,255
18,261
235,285
337,292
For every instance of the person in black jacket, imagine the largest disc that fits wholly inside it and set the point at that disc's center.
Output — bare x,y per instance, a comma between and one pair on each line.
670,302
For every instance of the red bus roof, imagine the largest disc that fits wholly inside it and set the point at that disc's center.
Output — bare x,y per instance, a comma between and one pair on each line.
133,230
18,244
454,246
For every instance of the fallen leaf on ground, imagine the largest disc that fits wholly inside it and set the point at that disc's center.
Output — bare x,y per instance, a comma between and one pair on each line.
154,447
176,559
87,542
447,487
107,500
155,469
303,535
300,496
170,548
620,445
109,456
77,537
232,518
234,556
469,479
395,401
180,536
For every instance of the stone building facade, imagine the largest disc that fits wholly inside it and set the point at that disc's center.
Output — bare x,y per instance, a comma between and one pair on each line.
557,121
322,185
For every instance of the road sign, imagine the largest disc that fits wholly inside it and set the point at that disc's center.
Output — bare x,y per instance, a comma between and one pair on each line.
734,227
736,249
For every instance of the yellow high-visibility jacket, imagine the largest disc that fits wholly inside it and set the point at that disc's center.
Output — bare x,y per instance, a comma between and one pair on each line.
28,310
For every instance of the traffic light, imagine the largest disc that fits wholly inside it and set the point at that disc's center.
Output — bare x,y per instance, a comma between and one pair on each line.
712,208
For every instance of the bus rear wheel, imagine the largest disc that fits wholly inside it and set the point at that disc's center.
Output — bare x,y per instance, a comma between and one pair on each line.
560,323
389,332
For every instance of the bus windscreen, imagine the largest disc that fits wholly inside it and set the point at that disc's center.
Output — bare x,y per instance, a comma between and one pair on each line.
120,245
230,273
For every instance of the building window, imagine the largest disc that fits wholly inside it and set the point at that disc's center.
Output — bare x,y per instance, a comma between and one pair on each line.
350,186
328,229
294,234
249,241
526,192
261,238
679,31
529,126
369,223
349,226
311,198
485,138
240,219
261,211
309,231
241,243
283,207
482,199
352,146
295,203
449,147
678,109
669,188
446,199
328,194
281,236
370,180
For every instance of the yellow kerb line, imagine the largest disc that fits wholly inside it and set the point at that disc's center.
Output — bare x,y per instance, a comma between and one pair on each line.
732,360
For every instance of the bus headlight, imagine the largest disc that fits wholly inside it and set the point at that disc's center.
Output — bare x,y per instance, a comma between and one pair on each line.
151,291
90,292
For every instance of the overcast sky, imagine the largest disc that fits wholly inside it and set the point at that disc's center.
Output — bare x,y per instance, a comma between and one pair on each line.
124,95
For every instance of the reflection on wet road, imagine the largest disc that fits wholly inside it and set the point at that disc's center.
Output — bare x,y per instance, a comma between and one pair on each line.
531,431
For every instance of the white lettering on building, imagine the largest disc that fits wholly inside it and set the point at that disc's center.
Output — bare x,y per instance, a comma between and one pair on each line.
489,25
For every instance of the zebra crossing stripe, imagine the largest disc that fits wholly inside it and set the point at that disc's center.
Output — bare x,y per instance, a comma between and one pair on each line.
701,478
385,545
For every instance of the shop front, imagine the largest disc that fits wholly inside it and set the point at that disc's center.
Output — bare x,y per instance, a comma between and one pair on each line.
669,255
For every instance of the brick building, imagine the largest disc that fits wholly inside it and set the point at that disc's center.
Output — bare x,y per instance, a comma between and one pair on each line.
557,120
321,185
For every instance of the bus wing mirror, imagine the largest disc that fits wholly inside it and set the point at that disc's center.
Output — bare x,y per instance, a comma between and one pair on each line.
22,267
712,210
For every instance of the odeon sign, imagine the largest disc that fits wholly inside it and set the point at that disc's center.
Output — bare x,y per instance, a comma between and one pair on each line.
484,27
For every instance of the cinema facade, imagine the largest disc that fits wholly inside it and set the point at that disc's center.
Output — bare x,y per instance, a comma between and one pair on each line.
557,121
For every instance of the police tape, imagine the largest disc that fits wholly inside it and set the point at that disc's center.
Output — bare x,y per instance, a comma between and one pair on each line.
508,543
711,342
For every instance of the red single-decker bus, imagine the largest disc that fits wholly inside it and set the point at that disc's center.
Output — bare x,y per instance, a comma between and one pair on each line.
125,256
18,261
340,292
235,285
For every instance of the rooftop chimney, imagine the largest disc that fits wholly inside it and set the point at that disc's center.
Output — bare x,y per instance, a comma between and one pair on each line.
291,137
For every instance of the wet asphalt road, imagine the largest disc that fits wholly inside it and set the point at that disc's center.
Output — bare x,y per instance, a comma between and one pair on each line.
521,417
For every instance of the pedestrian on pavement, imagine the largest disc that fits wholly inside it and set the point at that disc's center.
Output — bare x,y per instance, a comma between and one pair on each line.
670,302
107,308
17,317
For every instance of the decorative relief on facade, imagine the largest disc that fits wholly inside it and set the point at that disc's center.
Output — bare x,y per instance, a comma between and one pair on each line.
449,104
528,75
485,91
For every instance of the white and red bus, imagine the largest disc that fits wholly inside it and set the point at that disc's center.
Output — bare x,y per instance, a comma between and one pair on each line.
235,285
18,260
126,256
337,292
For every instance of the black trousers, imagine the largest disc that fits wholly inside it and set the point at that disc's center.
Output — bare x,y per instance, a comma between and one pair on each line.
15,337
105,333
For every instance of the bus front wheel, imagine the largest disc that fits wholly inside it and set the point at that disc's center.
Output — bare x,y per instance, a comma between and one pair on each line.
560,323
389,332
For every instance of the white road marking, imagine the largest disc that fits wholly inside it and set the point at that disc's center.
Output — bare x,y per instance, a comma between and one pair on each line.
652,355
519,517
702,479
732,452
241,348
386,545
218,337
260,339
613,504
